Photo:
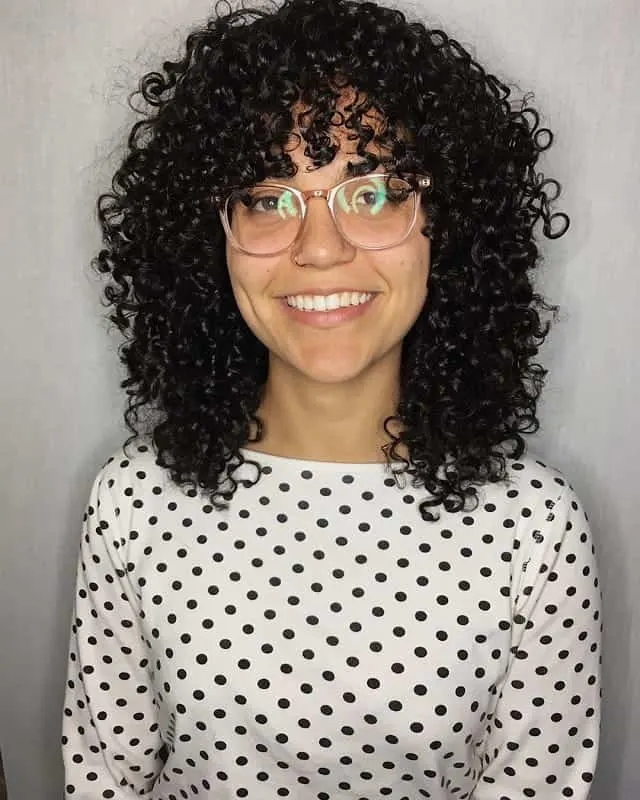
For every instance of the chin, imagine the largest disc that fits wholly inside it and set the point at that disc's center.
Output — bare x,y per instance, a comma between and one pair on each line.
333,377
337,368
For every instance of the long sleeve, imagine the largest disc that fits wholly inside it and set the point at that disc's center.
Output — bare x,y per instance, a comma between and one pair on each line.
108,679
542,741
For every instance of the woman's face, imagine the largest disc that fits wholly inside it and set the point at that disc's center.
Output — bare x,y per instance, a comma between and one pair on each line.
341,345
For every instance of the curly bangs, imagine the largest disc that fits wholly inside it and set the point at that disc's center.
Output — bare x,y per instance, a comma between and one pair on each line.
223,116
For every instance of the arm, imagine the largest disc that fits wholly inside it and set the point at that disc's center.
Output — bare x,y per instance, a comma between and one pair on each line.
542,741
111,741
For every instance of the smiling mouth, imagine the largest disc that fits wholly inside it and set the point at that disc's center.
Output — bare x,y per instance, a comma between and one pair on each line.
329,302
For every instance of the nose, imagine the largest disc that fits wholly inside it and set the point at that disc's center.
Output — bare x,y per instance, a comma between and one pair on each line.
320,243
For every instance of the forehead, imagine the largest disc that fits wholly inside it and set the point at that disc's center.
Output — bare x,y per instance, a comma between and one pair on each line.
346,162
332,129
346,115
353,130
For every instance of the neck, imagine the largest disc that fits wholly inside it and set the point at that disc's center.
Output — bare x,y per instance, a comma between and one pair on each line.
341,422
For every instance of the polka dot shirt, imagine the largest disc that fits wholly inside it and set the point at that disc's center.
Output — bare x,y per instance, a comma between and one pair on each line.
319,640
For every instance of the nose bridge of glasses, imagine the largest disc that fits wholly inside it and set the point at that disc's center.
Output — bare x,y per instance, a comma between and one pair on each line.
315,193
309,222
319,234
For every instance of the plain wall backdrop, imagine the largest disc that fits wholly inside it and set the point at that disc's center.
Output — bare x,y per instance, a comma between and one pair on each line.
66,67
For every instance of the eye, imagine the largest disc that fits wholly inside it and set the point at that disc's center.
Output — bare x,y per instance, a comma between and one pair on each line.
272,202
261,203
370,198
365,198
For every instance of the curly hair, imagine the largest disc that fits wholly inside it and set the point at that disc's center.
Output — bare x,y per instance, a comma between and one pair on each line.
222,116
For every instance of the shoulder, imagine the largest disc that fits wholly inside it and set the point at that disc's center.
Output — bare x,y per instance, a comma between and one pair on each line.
540,506
529,481
530,471
534,497
132,472
131,494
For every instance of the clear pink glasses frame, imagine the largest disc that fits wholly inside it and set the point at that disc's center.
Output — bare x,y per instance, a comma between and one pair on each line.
418,184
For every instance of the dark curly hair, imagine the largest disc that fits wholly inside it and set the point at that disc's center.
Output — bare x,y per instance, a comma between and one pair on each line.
222,116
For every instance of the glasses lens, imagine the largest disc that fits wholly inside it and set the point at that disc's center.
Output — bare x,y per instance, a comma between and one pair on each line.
375,211
264,219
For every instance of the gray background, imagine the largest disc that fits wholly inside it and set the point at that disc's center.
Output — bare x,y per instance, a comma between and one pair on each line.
65,69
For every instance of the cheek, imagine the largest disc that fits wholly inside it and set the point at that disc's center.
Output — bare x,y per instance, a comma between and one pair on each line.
250,282
422,265
408,272
250,277
411,279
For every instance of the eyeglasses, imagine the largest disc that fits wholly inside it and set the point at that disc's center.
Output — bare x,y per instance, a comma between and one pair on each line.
372,212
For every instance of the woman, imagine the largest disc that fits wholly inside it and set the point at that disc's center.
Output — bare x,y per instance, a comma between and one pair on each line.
324,566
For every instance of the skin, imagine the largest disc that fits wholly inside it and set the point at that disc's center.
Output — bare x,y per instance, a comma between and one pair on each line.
330,387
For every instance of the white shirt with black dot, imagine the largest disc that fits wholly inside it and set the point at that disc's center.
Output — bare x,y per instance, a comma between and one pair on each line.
319,640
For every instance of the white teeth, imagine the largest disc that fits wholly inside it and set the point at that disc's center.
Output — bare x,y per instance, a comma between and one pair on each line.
333,302
330,302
